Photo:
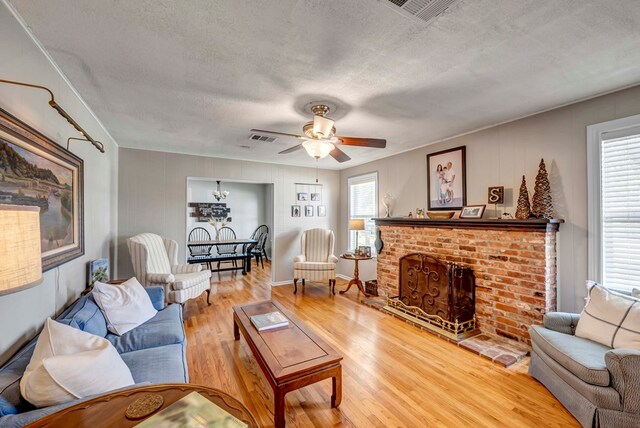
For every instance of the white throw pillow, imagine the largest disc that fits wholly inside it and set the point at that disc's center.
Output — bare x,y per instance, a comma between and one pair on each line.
125,306
68,363
610,318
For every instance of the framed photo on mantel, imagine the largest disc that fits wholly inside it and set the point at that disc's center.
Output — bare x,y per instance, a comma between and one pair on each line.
446,179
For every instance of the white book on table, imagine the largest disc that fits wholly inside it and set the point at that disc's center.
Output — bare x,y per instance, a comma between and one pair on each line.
269,321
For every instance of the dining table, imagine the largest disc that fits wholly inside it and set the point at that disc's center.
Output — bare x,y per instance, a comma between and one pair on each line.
245,256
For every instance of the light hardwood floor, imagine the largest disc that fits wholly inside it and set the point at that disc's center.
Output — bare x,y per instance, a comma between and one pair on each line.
394,375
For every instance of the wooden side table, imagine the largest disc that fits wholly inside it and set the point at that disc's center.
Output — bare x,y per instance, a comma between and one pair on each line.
356,272
108,410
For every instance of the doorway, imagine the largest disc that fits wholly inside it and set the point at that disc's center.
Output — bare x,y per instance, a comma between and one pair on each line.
248,205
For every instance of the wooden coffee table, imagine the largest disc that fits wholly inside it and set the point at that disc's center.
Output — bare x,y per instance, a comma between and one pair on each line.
291,357
108,410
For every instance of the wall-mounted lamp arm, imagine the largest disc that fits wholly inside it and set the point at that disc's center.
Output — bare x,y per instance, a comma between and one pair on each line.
29,85
64,114
98,145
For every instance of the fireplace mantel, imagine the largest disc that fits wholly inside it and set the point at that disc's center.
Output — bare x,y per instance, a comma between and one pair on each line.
533,225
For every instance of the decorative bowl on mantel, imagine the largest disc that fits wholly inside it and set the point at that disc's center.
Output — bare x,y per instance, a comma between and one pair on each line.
440,214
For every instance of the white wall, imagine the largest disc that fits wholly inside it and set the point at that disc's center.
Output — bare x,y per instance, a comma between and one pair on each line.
152,197
269,219
499,156
22,314
247,202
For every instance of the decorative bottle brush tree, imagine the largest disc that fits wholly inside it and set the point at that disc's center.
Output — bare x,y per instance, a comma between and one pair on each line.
542,202
523,212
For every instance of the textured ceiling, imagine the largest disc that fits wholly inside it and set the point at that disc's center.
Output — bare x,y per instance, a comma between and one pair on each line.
194,77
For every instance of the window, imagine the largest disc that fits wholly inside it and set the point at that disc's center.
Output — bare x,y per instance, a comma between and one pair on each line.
363,204
614,203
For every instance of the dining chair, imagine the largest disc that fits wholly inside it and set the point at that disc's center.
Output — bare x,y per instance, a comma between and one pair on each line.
259,251
261,234
200,234
259,231
225,234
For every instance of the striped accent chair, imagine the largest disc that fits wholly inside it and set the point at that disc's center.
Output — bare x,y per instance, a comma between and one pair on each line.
317,261
155,262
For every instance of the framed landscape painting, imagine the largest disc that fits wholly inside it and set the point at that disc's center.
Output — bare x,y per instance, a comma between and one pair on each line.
36,171
446,179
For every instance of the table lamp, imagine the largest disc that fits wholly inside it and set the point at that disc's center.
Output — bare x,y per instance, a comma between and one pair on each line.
356,224
20,253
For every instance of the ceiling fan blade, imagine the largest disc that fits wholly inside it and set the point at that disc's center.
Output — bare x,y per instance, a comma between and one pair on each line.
290,149
339,155
363,142
279,133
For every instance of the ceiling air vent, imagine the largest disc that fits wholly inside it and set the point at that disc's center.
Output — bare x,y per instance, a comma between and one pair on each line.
265,138
424,10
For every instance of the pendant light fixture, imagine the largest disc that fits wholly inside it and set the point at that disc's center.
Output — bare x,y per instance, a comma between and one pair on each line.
220,194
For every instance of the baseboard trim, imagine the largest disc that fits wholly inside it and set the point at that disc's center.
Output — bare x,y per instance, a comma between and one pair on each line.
290,281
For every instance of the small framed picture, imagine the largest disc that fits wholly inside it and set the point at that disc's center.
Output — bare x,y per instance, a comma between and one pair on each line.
472,211
98,271
295,210
322,211
303,196
364,251
308,210
315,197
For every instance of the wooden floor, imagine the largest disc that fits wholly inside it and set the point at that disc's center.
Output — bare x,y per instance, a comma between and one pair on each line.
395,375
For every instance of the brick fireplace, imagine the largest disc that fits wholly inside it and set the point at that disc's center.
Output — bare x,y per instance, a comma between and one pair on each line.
514,262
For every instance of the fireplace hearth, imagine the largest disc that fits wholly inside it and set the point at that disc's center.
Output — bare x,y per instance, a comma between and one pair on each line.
436,295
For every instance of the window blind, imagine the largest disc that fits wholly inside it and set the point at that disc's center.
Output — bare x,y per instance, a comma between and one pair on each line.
363,204
620,212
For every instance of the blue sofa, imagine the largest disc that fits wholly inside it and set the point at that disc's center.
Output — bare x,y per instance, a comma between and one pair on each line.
155,352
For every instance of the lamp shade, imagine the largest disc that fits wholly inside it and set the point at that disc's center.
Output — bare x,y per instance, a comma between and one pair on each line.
318,149
356,224
322,126
20,252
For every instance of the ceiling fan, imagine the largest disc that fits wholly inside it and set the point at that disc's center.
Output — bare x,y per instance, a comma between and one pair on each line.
320,140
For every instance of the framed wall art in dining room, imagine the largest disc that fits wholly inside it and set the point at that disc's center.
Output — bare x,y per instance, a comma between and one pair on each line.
446,179
36,171
308,210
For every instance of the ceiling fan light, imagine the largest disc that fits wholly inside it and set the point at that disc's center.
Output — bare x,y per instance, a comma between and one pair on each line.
322,126
318,149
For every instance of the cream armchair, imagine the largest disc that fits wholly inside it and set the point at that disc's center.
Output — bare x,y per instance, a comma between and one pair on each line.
155,262
317,262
